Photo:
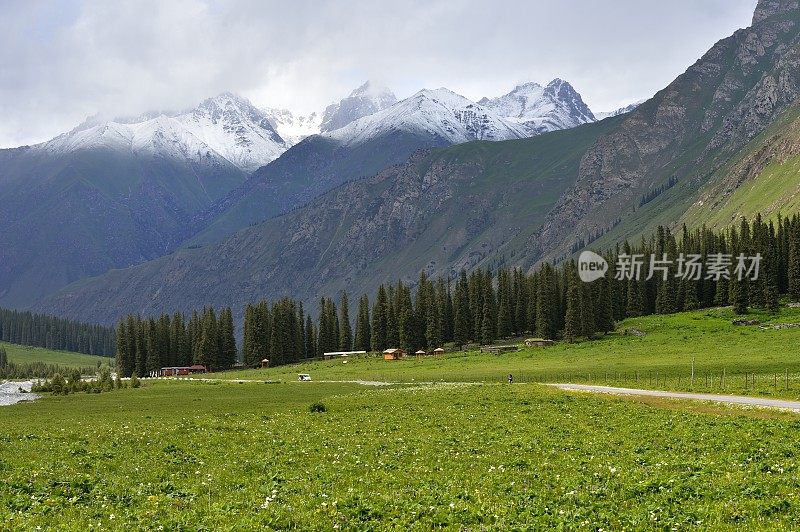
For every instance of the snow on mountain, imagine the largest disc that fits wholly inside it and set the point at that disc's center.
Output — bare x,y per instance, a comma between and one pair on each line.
438,113
621,110
293,128
367,99
226,129
541,109
237,130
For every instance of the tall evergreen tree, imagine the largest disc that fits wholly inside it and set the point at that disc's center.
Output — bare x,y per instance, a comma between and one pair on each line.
125,355
345,332
462,317
572,319
363,332
793,259
227,339
379,320
545,303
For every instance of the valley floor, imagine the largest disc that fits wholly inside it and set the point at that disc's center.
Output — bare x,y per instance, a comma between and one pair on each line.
655,352
478,455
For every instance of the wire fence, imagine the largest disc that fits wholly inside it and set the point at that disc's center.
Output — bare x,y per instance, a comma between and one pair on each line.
699,380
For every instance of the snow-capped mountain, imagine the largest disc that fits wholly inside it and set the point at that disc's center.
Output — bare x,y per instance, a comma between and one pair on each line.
293,128
620,111
367,99
438,114
226,129
541,109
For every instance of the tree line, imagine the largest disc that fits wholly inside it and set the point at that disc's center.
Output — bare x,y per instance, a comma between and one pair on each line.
40,330
145,345
485,306
28,370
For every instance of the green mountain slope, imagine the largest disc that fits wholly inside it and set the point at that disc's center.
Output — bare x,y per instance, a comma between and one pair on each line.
306,170
512,203
765,179
443,209
68,216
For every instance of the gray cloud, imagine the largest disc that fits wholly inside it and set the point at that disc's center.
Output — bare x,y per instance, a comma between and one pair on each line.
63,60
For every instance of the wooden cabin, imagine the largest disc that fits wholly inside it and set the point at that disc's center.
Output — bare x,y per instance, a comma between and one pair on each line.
174,371
393,354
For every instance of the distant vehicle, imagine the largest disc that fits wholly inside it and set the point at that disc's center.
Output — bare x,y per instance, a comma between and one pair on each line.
303,377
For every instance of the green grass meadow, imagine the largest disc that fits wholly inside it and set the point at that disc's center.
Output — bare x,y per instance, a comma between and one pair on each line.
469,454
25,354
662,358
227,456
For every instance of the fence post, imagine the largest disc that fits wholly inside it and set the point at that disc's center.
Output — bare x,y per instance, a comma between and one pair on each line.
787,379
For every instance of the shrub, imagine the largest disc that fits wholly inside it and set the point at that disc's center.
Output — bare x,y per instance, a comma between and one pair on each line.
317,407
135,382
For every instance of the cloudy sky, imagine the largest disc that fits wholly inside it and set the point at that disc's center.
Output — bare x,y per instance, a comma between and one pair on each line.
63,60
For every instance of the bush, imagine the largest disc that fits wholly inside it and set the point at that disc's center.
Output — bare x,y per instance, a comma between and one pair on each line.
135,382
317,407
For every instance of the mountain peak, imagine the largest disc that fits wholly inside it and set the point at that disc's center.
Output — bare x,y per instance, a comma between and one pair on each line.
367,99
769,8
371,89
540,109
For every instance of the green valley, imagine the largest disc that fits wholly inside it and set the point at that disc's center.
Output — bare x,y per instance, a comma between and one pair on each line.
198,454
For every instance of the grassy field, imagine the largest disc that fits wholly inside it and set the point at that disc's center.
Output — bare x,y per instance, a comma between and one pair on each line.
662,359
193,455
477,455
26,354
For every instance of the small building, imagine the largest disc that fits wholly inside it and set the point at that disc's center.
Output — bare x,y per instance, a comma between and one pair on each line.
538,342
265,363
341,354
498,349
173,371
438,351
420,353
393,354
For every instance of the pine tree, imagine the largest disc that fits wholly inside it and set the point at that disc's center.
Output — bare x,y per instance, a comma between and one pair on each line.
505,325
572,320
462,317
311,344
488,327
153,358
125,358
363,333
588,319
227,339
433,326
793,259
345,332
545,303
379,321
207,349
603,305
771,268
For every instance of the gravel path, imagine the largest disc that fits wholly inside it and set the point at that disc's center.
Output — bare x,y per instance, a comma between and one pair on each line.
730,399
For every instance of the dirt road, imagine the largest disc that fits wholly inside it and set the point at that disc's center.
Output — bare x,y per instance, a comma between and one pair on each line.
782,404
